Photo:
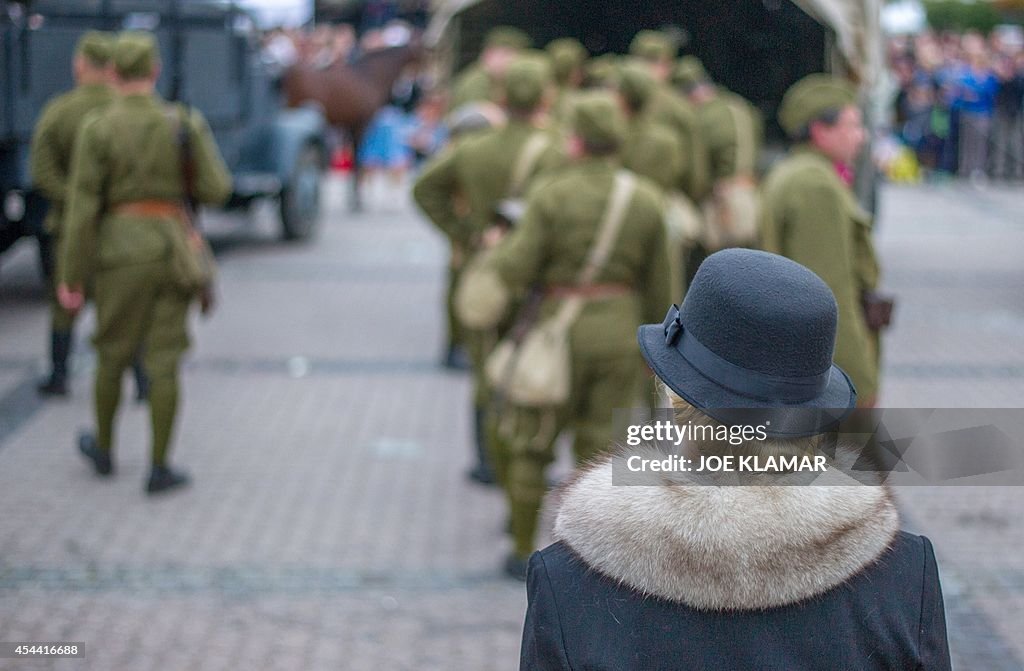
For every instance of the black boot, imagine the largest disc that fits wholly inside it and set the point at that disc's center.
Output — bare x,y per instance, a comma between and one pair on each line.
516,567
100,459
60,349
483,472
456,358
141,382
162,479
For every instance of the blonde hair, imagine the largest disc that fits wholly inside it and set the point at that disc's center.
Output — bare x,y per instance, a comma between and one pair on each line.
685,413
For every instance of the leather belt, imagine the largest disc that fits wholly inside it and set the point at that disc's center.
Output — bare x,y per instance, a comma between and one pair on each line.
150,208
591,291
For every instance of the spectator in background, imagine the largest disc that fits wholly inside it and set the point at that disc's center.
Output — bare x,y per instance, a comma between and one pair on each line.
1007,130
975,101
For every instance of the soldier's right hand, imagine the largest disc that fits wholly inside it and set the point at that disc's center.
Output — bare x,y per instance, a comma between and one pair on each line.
70,298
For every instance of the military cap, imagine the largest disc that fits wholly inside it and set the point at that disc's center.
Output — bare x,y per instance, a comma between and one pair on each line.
652,45
135,54
508,37
811,97
97,46
636,84
689,73
525,80
597,119
566,54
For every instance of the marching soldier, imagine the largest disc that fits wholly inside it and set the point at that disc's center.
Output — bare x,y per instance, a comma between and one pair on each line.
651,150
731,126
556,239
568,57
669,109
648,149
732,132
125,224
482,80
50,164
809,214
484,169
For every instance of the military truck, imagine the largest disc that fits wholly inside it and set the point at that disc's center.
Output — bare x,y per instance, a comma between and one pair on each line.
757,48
211,60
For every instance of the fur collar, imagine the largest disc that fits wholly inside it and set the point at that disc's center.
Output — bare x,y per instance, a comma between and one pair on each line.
724,547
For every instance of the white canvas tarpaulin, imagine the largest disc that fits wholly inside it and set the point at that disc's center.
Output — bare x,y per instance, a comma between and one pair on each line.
856,24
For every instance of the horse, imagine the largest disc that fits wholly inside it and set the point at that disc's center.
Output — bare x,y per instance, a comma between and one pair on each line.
351,93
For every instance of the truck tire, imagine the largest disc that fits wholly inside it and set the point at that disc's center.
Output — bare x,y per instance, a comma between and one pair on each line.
300,197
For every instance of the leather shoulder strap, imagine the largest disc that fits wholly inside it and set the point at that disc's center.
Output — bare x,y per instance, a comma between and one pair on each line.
611,223
528,156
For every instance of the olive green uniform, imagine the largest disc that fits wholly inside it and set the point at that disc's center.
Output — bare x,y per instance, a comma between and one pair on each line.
50,165
669,109
479,169
127,154
724,121
811,216
650,150
549,249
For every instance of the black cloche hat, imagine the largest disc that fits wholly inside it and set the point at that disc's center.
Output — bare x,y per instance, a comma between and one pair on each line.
753,344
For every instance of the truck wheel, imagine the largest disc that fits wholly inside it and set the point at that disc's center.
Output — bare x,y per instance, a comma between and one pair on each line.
300,197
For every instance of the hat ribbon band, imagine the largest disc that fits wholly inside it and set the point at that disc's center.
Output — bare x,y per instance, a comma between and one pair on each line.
750,383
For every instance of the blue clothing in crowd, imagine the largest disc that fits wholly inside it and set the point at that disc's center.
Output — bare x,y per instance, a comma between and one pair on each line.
977,92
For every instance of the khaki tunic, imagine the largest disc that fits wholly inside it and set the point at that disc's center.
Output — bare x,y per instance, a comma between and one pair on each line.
125,154
669,109
651,151
549,249
50,166
725,121
811,216
53,141
478,170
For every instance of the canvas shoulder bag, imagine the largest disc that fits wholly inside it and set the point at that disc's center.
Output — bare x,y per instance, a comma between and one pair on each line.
192,264
536,370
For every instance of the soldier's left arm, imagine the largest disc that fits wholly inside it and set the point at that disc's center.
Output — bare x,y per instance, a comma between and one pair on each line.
44,158
519,258
212,179
84,204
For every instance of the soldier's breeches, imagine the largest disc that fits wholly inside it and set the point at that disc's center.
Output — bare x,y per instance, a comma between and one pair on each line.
138,307
479,344
526,439
601,386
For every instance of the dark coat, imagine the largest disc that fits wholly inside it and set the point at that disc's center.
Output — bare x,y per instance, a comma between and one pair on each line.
640,582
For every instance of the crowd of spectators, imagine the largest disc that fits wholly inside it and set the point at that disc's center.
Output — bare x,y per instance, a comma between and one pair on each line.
959,103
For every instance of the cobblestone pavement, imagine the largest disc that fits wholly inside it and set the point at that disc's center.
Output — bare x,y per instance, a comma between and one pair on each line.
330,526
